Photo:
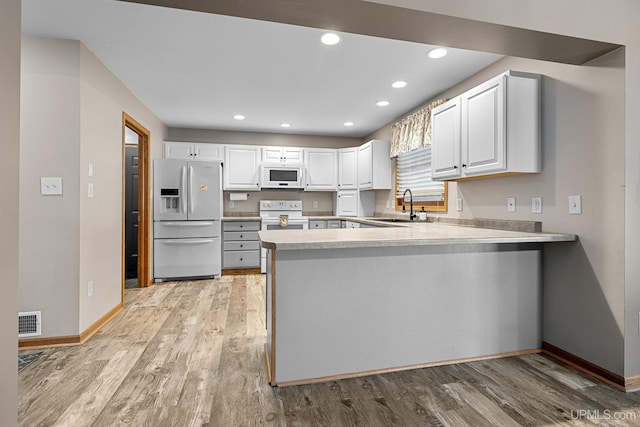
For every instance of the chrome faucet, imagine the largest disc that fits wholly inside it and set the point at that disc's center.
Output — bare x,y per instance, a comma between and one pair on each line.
412,215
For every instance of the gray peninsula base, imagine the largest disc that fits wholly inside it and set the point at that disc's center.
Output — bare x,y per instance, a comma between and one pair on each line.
343,312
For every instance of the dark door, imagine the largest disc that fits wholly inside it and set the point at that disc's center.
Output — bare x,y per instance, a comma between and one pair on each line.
131,212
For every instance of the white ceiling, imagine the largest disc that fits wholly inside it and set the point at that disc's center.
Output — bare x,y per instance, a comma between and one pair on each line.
197,70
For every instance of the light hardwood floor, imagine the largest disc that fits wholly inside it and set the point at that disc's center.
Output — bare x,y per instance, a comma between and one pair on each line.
191,354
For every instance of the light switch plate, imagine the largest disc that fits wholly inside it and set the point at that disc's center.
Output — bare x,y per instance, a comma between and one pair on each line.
90,171
536,205
459,205
511,204
90,190
575,205
51,186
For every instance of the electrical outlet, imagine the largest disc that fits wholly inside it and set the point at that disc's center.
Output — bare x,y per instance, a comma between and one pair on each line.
536,205
90,289
51,186
575,205
315,204
232,204
90,190
459,205
388,204
511,204
90,171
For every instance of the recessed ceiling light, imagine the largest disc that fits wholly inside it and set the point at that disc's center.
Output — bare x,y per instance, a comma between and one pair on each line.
382,103
349,123
239,117
330,39
436,53
399,84
285,125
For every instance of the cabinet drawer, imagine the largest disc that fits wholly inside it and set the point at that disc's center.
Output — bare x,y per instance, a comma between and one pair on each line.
241,226
229,236
242,246
241,259
317,224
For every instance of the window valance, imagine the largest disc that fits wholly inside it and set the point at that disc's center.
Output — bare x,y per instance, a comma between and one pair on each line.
413,131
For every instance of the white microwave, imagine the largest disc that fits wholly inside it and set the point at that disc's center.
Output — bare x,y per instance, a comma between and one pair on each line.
281,176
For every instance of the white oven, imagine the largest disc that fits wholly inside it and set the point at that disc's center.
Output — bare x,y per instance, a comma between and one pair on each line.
280,215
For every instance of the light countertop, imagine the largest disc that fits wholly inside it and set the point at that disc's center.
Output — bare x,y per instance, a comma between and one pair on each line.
414,234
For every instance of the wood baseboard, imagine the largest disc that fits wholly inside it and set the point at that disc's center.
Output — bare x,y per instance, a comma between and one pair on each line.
614,380
240,271
36,343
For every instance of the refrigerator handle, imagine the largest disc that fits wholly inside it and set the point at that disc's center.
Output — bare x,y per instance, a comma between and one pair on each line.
191,201
183,195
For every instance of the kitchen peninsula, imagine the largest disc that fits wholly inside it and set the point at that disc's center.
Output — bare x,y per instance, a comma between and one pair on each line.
351,302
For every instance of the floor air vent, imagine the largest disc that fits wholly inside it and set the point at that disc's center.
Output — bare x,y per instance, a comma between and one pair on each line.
29,324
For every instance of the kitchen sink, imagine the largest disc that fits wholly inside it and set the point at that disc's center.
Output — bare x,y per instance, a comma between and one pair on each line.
393,220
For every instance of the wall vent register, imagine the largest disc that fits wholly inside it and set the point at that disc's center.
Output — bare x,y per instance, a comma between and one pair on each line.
29,324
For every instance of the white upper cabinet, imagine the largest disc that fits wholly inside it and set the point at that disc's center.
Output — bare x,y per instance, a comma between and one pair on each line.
491,129
346,203
374,165
193,151
322,169
284,155
242,167
348,168
484,145
445,128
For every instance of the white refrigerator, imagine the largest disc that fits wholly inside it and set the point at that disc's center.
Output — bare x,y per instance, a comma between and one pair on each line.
187,212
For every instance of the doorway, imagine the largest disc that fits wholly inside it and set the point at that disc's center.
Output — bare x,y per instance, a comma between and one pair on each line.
136,205
131,209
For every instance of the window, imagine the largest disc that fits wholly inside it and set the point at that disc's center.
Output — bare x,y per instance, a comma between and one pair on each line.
413,171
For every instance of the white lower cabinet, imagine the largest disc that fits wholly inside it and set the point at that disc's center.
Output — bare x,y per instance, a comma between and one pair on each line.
317,224
334,223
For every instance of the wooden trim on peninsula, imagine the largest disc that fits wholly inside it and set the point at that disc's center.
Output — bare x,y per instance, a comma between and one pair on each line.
632,384
614,380
266,357
272,374
36,343
405,368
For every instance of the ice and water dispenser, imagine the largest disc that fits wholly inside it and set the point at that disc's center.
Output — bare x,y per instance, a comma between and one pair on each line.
170,200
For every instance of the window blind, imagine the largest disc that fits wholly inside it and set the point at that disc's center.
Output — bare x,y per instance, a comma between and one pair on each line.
414,172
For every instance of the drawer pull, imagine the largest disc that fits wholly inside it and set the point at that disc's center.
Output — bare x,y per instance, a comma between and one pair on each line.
241,246
241,259
241,236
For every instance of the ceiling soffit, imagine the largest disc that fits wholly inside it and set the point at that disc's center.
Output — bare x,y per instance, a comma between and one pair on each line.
373,19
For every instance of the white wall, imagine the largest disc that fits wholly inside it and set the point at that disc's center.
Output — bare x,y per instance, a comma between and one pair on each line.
103,99
9,176
71,116
50,147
